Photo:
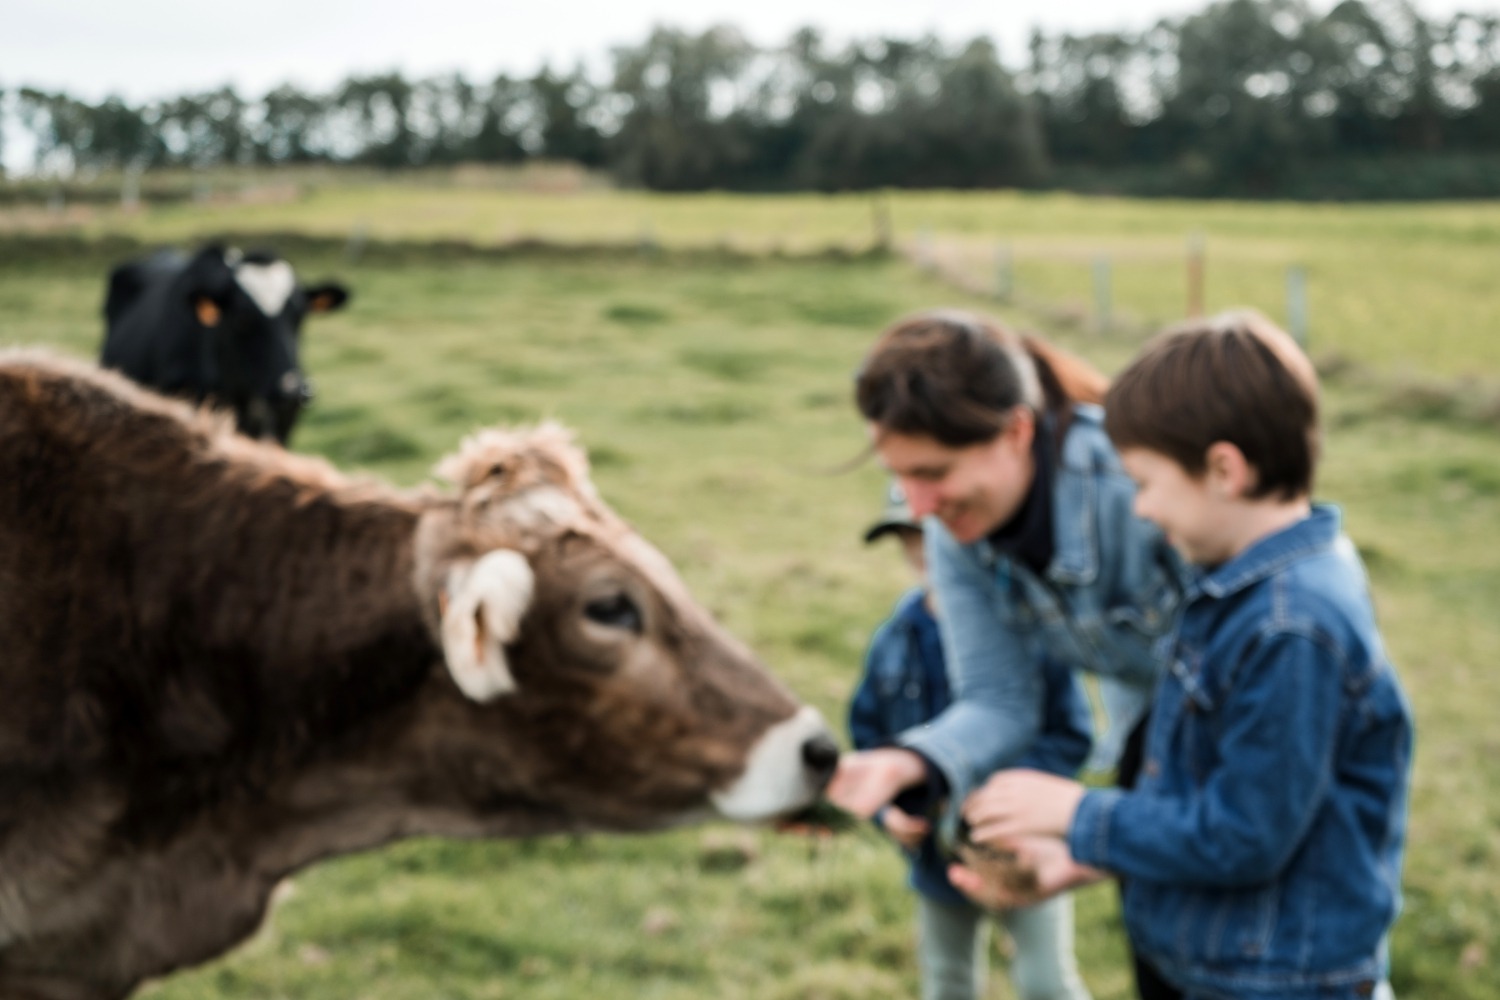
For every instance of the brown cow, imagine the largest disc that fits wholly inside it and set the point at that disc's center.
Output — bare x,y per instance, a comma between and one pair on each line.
220,662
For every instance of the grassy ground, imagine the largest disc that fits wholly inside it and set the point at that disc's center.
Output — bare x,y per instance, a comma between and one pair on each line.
1398,286
715,400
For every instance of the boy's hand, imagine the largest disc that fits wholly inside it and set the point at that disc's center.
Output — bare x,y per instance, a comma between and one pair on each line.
866,781
904,828
1022,803
1046,857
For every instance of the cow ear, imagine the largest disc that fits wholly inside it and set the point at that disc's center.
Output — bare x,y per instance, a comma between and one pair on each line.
484,603
326,297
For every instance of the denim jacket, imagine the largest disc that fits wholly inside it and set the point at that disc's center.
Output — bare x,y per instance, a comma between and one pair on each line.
1110,592
1262,847
905,684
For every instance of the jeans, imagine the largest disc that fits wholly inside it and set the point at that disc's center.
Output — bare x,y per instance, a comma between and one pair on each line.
953,950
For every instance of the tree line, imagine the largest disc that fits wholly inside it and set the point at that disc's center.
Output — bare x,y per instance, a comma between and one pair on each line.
1244,97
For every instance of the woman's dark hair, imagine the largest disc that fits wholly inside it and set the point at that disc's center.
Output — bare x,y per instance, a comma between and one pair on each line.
956,377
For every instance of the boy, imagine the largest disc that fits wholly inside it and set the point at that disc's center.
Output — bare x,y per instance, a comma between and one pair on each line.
1261,850
905,684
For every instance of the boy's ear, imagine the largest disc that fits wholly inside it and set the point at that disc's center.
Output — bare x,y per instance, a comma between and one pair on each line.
1229,474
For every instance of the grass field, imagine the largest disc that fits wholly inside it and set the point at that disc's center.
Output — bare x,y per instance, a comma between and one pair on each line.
1402,287
714,396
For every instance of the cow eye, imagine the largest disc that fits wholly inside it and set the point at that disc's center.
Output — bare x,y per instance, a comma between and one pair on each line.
615,611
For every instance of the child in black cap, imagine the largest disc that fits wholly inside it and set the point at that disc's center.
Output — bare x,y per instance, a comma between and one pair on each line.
905,685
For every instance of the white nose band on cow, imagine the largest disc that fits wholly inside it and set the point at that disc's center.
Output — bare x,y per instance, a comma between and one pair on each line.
486,601
777,780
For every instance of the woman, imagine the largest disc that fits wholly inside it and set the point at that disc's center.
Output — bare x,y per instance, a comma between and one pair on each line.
1032,548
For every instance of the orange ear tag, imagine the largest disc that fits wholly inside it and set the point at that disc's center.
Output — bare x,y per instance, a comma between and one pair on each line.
208,311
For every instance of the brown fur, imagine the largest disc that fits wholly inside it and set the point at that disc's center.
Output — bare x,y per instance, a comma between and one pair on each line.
220,664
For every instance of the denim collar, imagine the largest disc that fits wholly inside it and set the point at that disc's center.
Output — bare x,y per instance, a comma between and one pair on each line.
1268,556
1086,452
910,611
1028,537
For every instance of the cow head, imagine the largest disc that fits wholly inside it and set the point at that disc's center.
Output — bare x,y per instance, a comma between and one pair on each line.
251,307
592,679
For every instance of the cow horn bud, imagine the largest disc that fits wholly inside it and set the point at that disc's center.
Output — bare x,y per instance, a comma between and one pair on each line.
486,601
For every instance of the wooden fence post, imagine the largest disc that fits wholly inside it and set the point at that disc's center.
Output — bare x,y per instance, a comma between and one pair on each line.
1102,293
1005,273
926,254
354,249
880,210
130,188
1296,304
1195,274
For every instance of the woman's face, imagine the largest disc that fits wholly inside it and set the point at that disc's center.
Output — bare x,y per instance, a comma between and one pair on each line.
972,489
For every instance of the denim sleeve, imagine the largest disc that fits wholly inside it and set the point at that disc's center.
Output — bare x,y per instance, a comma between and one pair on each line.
867,723
1067,735
997,689
1274,739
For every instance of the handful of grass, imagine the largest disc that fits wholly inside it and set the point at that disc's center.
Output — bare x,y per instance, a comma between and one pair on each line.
822,817
999,866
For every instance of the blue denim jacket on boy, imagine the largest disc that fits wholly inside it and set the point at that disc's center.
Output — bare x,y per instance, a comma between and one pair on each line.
905,684
1262,847
1110,592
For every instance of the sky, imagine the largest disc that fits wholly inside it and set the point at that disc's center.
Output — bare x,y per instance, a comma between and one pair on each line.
147,49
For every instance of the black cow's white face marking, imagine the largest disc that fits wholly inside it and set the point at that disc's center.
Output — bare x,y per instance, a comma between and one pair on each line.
268,285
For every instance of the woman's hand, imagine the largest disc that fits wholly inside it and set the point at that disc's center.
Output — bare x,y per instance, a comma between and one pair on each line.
868,780
1022,803
1046,857
904,828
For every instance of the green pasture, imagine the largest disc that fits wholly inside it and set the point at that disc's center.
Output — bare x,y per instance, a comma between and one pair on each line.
713,393
1401,287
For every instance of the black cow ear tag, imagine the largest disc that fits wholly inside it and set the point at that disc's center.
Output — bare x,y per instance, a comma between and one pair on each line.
207,311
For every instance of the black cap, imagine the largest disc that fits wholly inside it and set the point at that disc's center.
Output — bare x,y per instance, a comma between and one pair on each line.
897,515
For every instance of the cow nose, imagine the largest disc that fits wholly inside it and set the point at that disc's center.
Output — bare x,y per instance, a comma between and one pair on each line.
821,755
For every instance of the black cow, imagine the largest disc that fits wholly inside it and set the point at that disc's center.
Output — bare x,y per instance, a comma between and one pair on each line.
221,327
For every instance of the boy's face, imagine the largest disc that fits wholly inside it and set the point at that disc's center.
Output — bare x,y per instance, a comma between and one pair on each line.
1196,513
973,490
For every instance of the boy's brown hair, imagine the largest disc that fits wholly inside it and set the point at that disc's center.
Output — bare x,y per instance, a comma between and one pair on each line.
1235,377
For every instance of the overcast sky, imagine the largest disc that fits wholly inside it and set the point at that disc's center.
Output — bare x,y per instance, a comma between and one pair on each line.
143,49
147,49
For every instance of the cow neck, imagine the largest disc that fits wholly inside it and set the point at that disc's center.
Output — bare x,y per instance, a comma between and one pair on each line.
296,626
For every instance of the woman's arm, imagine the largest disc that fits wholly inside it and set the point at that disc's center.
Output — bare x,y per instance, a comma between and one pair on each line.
997,685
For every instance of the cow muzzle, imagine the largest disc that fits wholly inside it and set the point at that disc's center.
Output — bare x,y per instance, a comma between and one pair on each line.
787,770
